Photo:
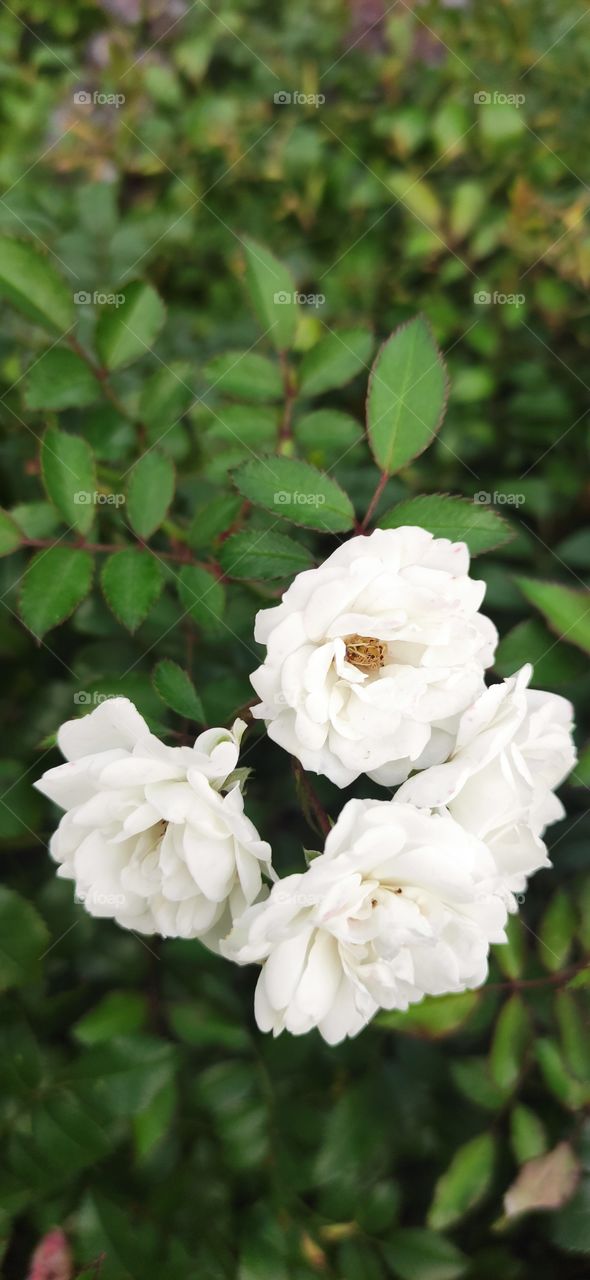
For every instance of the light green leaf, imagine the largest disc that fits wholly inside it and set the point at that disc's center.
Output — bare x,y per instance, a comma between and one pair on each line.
574,1032
203,597
465,1182
126,332
433,1017
407,396
272,290
23,939
60,380
511,1040
177,690
572,1093
10,534
472,1077
336,360
417,1254
131,582
150,492
165,396
450,517
118,1013
263,555
327,434
527,1134
30,281
246,374
511,956
566,611
297,492
67,465
56,582
581,773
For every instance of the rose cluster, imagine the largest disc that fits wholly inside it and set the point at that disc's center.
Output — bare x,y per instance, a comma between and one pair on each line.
375,663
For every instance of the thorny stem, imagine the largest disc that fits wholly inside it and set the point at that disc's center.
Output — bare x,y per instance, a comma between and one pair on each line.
290,389
179,557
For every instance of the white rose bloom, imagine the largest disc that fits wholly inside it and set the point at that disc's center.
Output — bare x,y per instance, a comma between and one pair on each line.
154,836
401,904
372,656
514,746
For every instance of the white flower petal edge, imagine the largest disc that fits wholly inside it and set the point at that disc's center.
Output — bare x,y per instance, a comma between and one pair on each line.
514,746
372,656
401,904
154,836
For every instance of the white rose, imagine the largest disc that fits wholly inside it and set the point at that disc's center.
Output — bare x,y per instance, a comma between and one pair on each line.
400,904
514,746
372,656
154,836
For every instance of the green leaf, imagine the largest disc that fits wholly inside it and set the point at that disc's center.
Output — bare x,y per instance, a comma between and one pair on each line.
203,597
165,396
126,1074
574,1033
245,374
336,359
31,283
67,465
131,582
177,690
557,931
570,1092
153,1123
580,777
56,582
60,380
527,1134
263,554
150,492
272,290
472,1078
118,1013
416,1254
434,1017
566,611
450,517
570,1226
23,939
512,1037
36,519
510,956
124,333
10,534
327,434
554,662
407,396
213,518
464,1183
297,492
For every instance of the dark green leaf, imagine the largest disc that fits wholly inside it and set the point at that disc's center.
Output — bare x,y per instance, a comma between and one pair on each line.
131,582
416,1254
23,939
263,554
177,690
60,380
449,517
56,582
297,492
566,611
202,596
10,534
67,464
407,396
150,492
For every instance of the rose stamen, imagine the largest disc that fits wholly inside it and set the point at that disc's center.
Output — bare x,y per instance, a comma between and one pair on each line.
365,652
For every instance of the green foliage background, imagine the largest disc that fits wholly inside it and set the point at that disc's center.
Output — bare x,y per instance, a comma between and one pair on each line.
140,1107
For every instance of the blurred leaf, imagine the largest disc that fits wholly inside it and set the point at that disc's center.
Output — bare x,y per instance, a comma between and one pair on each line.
574,1029
245,374
297,492
566,1088
510,956
556,932
335,360
69,474
465,1182
126,1074
272,290
131,582
202,596
10,534
327,433
24,939
547,1182
55,583
30,282
164,398
213,518
153,1122
512,1036
60,380
570,1227
448,517
407,396
416,1254
177,690
434,1017
566,611
263,555
150,492
554,662
527,1134
473,1078
118,1013
125,332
